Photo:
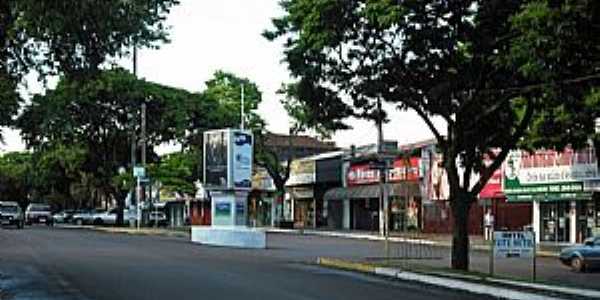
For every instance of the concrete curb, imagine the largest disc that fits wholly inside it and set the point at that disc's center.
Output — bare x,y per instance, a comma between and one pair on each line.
369,237
144,231
457,284
134,231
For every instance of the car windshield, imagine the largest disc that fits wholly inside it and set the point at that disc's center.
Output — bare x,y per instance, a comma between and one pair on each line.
39,208
8,209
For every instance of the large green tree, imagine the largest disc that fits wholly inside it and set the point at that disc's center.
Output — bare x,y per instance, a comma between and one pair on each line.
102,115
71,37
441,59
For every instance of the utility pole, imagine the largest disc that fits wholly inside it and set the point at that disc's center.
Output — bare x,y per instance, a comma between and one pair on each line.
380,150
242,121
383,167
143,144
143,139
135,193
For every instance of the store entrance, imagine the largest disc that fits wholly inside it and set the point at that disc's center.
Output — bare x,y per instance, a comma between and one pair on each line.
555,221
585,220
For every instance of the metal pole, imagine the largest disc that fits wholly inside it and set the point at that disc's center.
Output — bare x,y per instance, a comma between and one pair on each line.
534,262
242,115
492,245
134,194
139,204
385,216
143,140
382,172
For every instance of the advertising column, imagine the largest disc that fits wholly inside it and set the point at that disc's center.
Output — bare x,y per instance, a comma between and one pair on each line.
228,178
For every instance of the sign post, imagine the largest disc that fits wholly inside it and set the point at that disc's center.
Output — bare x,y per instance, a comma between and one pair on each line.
138,173
492,250
534,263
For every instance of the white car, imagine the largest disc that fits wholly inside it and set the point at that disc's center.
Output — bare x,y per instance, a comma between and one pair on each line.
110,217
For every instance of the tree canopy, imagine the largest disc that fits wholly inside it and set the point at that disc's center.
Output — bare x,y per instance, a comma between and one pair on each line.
558,43
452,60
72,38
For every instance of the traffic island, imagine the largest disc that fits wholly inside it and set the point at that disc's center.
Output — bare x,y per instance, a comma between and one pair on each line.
237,237
465,281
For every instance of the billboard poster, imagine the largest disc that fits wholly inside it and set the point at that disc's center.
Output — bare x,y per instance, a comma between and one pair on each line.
439,189
215,159
302,171
241,146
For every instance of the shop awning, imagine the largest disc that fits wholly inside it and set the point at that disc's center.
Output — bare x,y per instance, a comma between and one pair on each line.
581,196
371,191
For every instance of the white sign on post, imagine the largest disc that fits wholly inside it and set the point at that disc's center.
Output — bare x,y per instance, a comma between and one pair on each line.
509,244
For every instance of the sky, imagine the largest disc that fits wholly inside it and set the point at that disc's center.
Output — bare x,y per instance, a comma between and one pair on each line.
226,35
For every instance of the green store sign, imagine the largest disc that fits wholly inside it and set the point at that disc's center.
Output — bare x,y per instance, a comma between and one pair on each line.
559,191
514,187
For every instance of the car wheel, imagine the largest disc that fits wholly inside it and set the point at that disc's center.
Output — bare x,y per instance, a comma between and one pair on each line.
79,222
98,222
577,264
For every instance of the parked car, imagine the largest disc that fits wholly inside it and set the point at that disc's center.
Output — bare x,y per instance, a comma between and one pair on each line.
63,217
105,217
37,213
582,257
158,218
11,214
110,217
83,217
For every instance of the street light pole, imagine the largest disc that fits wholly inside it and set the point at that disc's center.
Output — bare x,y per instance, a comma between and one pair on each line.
242,123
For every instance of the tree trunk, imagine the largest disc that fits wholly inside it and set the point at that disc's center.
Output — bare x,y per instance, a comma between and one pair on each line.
461,205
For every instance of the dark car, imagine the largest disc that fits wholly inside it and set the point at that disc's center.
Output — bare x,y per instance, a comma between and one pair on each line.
582,257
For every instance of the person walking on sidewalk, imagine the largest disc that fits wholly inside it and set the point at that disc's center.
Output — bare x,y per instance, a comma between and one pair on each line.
488,225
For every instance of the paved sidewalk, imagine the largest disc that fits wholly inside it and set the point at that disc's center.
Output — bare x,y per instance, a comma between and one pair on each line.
439,240
503,288
442,240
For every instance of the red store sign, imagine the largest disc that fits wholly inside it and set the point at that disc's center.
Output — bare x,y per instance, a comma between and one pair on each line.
360,174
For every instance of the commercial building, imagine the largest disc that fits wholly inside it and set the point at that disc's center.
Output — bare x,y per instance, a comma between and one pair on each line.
563,188
358,203
310,177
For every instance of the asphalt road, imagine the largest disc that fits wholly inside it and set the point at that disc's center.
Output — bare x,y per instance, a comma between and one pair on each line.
51,263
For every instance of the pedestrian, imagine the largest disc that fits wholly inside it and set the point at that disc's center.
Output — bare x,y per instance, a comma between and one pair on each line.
488,225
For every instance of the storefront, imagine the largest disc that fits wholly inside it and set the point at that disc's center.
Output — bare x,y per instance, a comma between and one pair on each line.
262,204
300,200
360,199
562,188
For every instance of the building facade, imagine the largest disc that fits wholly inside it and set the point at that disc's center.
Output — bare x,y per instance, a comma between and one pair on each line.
563,189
